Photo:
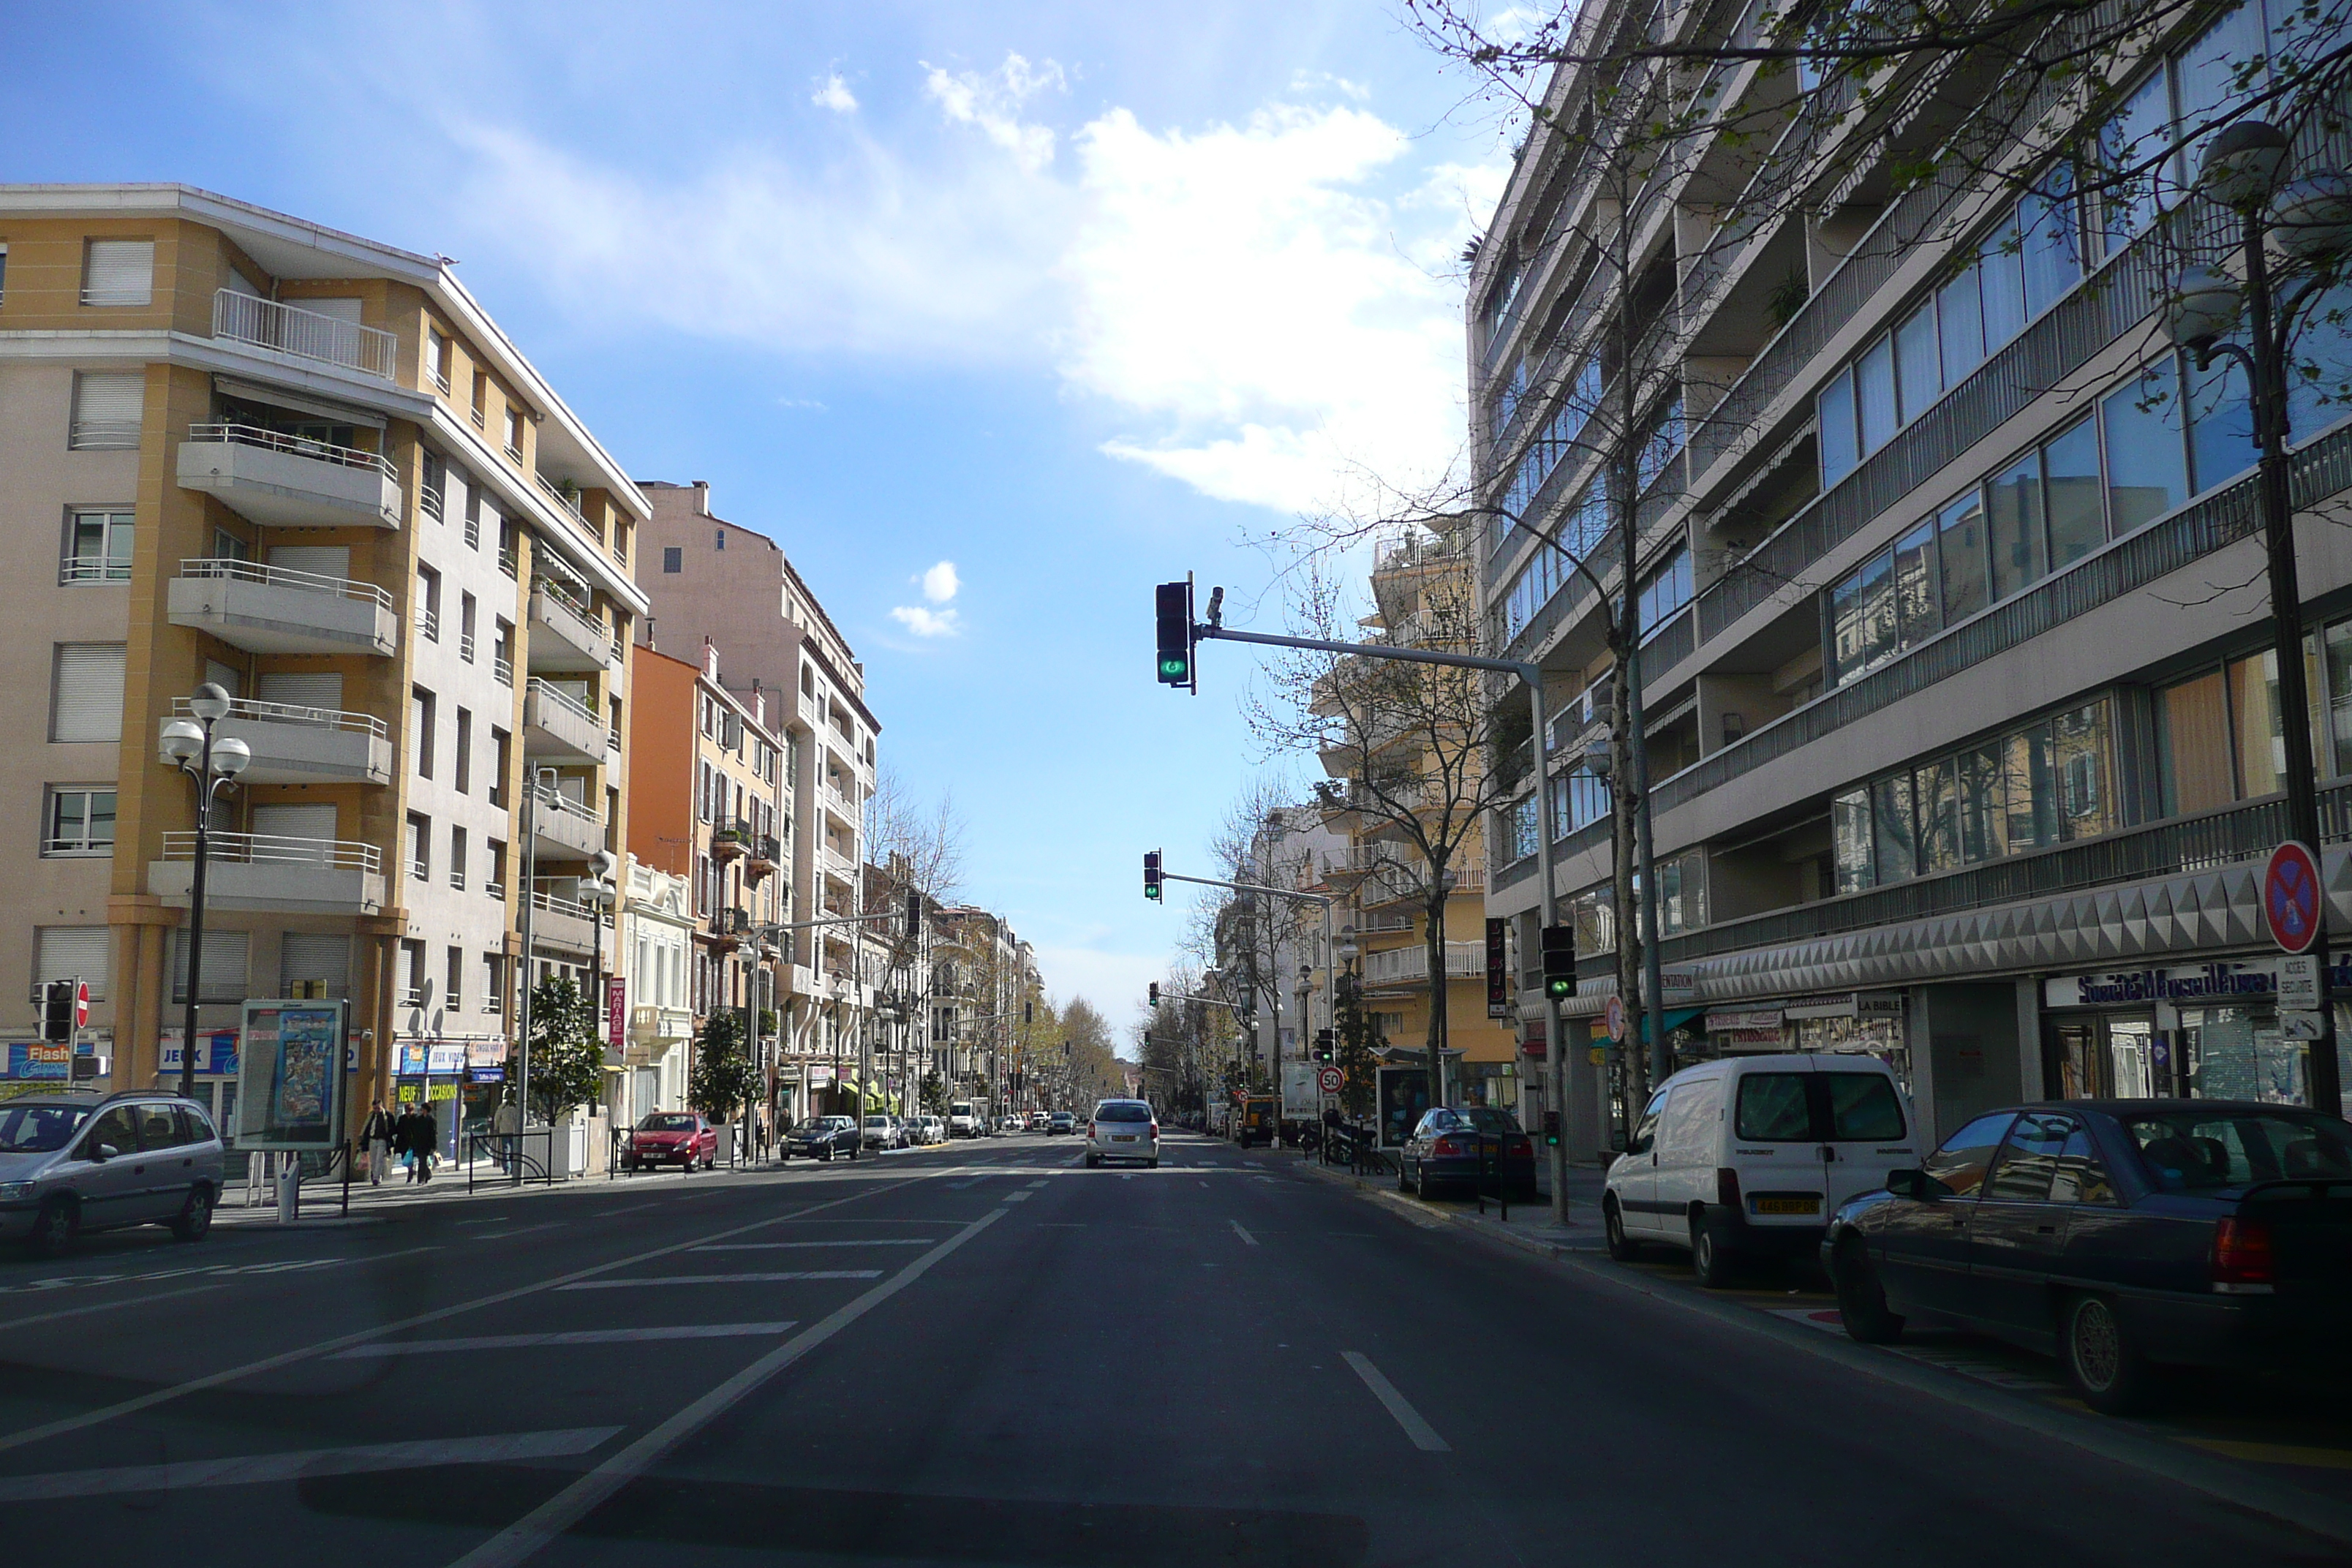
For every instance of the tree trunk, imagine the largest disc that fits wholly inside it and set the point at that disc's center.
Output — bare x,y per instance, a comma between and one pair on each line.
1433,942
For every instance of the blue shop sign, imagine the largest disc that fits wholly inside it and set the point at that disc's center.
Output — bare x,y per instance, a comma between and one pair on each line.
2222,980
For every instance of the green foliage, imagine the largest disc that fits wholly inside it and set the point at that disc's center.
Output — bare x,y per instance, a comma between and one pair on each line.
567,1063
935,1094
721,1079
1358,1038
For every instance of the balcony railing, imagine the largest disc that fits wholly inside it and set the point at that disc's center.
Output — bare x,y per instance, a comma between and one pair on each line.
1409,965
496,889
503,669
569,505
293,713
305,334
269,849
555,897
466,647
298,446
428,500
428,621
79,569
281,577
549,692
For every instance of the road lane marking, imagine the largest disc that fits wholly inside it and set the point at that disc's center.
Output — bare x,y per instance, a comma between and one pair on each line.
525,1230
567,1337
630,1208
255,1470
1019,1197
209,1270
1037,1184
2277,1453
1244,1235
104,1306
525,1537
846,1241
153,1398
1424,1436
724,1279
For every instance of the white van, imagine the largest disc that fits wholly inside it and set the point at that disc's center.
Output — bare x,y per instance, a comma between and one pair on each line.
1749,1157
963,1121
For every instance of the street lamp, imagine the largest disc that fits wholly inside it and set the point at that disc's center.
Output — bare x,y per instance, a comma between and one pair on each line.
2245,169
597,891
188,746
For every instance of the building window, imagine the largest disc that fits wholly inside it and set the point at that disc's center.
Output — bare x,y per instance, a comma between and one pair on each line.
1665,589
98,546
428,603
718,539
454,970
72,952
458,857
107,408
514,434
118,272
421,720
86,698
420,848
437,358
80,822
499,742
673,559
494,965
222,977
496,885
481,398
463,772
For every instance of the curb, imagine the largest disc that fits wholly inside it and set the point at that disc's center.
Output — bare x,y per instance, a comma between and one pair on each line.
1431,1218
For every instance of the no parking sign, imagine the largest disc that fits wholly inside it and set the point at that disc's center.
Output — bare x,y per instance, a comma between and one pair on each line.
2290,895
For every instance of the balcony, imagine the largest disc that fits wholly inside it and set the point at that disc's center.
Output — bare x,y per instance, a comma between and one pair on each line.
566,500
566,829
762,854
730,836
1404,966
565,634
283,482
558,728
561,921
262,872
304,745
267,609
838,866
728,926
297,334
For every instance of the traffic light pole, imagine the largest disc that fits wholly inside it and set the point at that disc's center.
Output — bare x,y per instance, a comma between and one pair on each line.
1554,1051
1330,957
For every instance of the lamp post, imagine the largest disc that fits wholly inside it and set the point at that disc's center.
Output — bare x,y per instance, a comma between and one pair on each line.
2245,169
189,745
597,891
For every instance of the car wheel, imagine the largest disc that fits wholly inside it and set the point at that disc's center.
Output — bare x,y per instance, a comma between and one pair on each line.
2105,1366
195,1216
1862,1298
1622,1248
1707,1261
1094,1162
53,1228
853,1154
1403,1183
1152,1163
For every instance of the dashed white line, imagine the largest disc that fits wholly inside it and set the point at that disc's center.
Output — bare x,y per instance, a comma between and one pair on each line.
1424,1436
724,1279
1019,1197
846,1241
568,1337
1241,1232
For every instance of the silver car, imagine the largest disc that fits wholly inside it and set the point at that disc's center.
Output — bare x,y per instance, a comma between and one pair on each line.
74,1163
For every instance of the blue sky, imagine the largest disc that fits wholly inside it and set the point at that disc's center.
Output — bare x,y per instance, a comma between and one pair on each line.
1074,297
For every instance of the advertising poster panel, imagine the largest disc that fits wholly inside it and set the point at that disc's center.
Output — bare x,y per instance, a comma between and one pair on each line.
290,1085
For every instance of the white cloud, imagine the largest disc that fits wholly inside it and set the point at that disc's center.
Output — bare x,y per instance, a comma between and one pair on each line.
993,103
833,93
940,583
926,623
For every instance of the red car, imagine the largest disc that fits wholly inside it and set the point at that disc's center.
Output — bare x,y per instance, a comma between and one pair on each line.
671,1137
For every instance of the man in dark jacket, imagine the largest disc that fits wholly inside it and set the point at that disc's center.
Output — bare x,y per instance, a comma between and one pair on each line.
426,1140
404,1137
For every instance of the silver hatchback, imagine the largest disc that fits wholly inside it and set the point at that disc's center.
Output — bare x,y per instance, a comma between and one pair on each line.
74,1163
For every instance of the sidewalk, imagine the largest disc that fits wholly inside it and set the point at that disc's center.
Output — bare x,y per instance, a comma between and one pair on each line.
1530,1227
322,1202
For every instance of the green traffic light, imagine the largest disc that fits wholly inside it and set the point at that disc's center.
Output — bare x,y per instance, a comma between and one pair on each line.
1173,669
1561,986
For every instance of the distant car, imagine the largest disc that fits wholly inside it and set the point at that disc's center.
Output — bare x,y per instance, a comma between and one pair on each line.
1011,1124
930,1129
822,1138
965,1119
1061,1121
1037,1120
1122,1129
681,1138
1458,1147
71,1163
884,1132
2126,1237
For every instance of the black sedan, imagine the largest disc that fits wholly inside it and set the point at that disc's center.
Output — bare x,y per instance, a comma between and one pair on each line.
1459,1147
2121,1235
822,1137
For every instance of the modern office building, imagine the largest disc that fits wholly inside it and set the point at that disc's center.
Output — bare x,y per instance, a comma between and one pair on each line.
1961,720
242,448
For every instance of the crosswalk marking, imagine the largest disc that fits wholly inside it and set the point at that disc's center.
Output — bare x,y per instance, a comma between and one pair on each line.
567,1337
253,1470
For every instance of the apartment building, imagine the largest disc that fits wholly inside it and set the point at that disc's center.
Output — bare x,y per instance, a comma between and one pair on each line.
710,808
982,973
1272,948
656,943
244,448
710,579
1961,728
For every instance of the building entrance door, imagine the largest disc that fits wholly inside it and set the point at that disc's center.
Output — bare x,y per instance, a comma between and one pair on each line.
2099,1055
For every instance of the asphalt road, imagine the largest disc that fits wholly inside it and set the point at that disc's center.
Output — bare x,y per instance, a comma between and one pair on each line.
983,1354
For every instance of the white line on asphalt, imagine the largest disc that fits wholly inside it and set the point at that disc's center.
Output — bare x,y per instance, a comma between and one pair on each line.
568,1337
525,1230
724,1279
1037,1184
550,1519
630,1208
1019,1197
1204,1183
846,1241
104,1306
324,1347
1424,1436
1244,1235
252,1470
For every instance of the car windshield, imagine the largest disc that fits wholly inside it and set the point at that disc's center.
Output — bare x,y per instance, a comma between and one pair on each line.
1122,1110
670,1122
39,1129
878,1121
1488,1119
813,1124
2201,1151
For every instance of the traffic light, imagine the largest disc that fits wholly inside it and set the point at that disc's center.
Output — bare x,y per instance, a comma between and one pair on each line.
1552,1128
1151,874
1559,961
1154,992
58,1011
1323,1045
1173,608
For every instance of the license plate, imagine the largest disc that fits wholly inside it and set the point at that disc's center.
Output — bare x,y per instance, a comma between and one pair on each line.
1806,1204
1122,1137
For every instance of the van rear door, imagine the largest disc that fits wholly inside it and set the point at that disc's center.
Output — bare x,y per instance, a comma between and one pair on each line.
1866,1130
1774,1145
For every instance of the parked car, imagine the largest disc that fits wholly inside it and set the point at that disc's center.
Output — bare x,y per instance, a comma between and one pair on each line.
965,1119
883,1133
1122,1129
1457,1146
1013,1124
822,1138
74,1163
2124,1236
1061,1121
933,1130
1747,1157
681,1138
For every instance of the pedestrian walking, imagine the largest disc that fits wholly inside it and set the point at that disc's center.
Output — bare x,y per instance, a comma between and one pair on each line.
377,1136
403,1138
507,1122
428,1141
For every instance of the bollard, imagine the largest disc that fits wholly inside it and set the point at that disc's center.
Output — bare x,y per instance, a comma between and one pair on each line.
290,1188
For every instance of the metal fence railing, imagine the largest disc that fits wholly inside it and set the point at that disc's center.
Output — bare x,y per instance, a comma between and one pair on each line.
305,334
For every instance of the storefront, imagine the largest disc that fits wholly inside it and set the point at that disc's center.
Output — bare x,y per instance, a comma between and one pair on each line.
1863,1023
2208,1031
216,1062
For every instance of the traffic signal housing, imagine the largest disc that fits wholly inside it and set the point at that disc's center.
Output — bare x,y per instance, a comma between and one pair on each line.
1151,874
1323,1045
1552,1128
1172,613
58,997
1560,961
1154,992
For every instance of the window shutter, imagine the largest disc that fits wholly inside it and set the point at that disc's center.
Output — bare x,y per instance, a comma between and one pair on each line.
119,273
88,704
318,560
225,962
313,822
71,952
314,959
108,408
296,689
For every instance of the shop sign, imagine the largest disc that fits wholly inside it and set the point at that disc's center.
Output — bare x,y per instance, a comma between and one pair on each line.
617,1012
2204,982
1745,1027
820,1077
445,1056
487,1075
39,1060
2296,1025
2298,981
1532,1036
411,1059
216,1056
485,1053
